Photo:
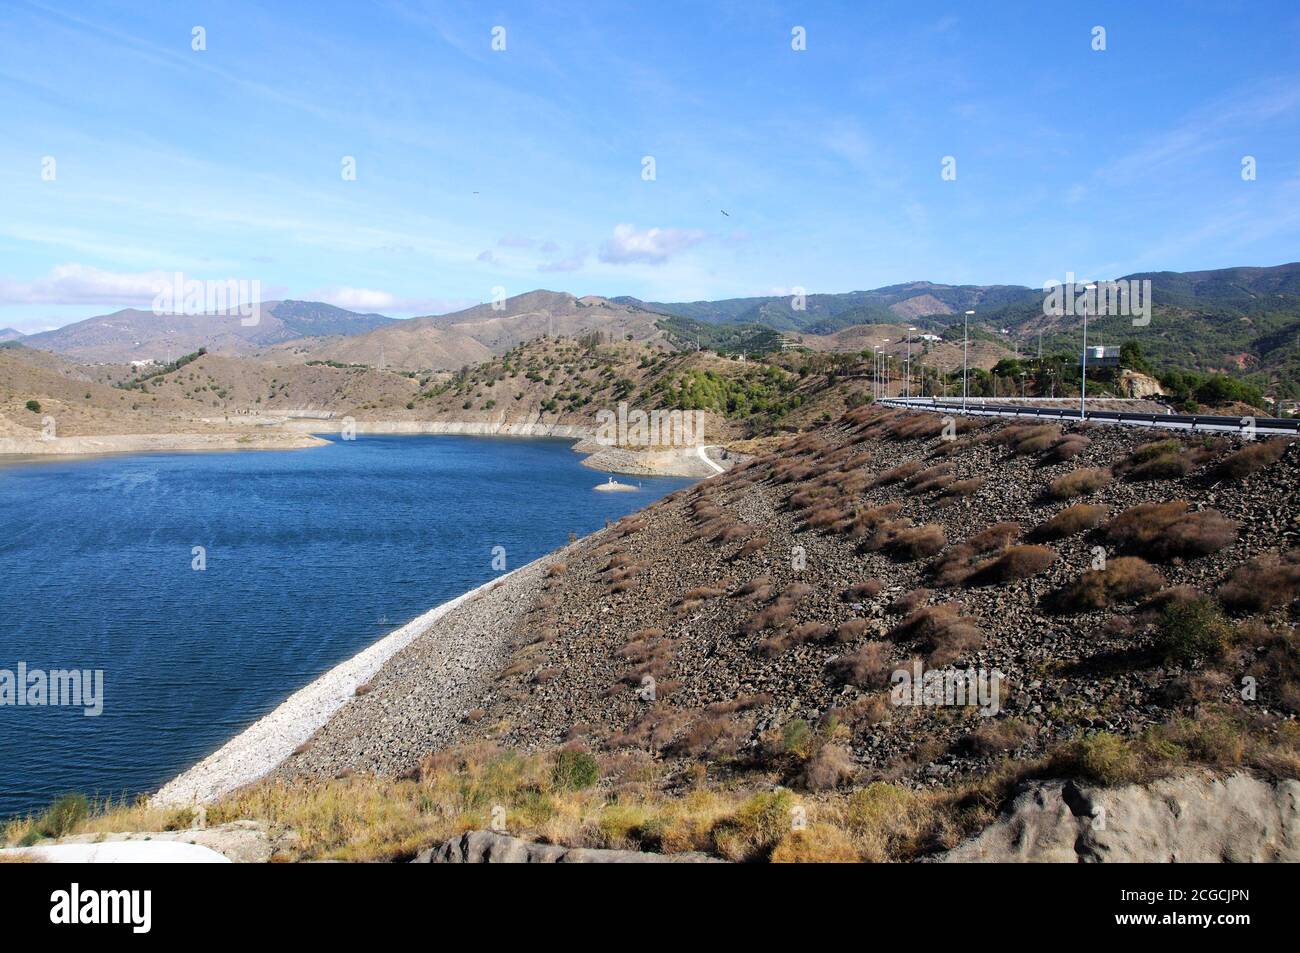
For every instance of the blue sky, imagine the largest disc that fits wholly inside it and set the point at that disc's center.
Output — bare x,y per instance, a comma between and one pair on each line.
522,168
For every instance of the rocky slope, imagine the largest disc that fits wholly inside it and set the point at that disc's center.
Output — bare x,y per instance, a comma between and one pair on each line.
749,627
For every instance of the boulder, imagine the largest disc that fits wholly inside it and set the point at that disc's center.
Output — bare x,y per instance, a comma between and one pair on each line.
490,847
1191,819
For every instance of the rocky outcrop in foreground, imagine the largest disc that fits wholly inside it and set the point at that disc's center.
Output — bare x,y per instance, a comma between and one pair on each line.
489,847
1192,819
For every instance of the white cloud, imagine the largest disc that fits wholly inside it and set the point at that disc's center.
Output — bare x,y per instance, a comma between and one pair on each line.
651,245
81,284
384,302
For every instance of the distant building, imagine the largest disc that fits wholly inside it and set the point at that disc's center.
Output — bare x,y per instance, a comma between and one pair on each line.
932,338
1102,357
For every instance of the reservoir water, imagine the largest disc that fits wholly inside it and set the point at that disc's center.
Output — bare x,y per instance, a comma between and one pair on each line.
307,557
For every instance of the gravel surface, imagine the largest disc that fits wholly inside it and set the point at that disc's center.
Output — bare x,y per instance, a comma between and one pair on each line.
413,703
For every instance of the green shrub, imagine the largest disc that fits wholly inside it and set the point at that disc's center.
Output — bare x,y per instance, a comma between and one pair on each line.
797,738
63,816
1105,758
1192,631
34,406
756,828
575,770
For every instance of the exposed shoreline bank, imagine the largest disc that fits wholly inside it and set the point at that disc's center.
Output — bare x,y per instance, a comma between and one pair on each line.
304,433
101,445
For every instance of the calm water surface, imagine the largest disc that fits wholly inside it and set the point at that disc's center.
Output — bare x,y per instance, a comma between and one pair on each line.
311,556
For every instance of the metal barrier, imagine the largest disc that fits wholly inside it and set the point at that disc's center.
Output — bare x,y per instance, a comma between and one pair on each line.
1208,422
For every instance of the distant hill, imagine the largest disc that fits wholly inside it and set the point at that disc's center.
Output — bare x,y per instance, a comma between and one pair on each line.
1244,321
828,313
454,340
135,335
9,334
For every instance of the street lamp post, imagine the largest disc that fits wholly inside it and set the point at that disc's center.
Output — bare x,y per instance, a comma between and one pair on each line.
907,387
964,335
1083,379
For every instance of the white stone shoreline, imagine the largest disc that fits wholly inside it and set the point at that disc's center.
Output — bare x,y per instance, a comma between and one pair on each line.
262,746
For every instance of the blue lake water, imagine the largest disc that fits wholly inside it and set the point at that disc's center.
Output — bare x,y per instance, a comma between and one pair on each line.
311,555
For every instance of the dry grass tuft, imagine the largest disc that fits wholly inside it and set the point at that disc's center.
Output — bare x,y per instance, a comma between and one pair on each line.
941,630
916,542
866,589
1124,579
1018,562
1164,531
1251,458
866,668
1266,581
1073,519
1082,482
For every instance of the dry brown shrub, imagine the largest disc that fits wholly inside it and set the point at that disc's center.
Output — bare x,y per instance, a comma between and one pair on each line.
1266,581
917,542
1164,531
867,667
864,520
941,630
962,488
713,734
774,645
702,592
995,537
996,736
780,610
1017,562
1067,448
1027,438
851,630
1079,483
751,546
653,730
923,480
830,767
957,563
1252,458
1071,520
898,474
910,601
1124,579
866,589
824,515
754,585
916,426
810,632
733,532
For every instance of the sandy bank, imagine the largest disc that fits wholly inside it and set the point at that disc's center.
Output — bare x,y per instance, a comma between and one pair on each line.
677,461
445,630
466,427
157,443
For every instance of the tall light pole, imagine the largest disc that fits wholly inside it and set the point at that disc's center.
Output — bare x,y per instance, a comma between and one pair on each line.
1083,380
907,387
875,371
964,335
884,366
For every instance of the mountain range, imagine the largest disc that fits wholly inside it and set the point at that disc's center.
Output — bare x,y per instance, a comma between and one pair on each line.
1244,321
135,335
